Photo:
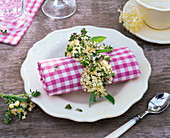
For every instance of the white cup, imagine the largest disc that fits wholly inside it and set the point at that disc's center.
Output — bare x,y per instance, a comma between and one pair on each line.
156,13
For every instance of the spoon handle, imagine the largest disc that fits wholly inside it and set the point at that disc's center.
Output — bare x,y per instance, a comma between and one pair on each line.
118,132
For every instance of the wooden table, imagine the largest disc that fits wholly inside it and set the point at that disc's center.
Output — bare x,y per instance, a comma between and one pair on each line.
38,124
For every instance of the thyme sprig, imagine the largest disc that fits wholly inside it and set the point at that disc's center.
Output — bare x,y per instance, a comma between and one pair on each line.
4,32
68,106
97,72
18,104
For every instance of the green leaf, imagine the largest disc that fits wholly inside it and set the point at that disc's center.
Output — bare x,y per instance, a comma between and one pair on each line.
7,117
92,98
98,39
1,95
84,63
65,54
80,110
103,50
69,48
83,32
56,66
110,98
19,115
68,106
113,74
3,32
20,99
36,93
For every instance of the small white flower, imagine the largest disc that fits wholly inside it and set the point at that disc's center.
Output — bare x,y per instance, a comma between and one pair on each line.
23,117
76,42
24,104
19,110
71,43
13,111
99,74
85,37
25,113
11,106
29,109
17,103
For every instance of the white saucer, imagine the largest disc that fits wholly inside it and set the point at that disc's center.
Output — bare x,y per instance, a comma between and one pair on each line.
149,34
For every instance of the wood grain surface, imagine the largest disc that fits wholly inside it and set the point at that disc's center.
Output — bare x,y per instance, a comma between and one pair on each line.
100,13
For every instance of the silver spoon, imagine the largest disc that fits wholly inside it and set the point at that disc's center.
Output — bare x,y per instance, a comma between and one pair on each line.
156,105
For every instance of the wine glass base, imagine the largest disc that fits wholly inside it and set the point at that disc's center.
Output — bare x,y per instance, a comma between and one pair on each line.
16,25
59,10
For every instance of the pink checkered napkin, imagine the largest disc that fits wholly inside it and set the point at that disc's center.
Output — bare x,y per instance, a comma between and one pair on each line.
13,38
66,78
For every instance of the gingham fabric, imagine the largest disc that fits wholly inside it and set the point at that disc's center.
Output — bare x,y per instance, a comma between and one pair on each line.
13,38
66,78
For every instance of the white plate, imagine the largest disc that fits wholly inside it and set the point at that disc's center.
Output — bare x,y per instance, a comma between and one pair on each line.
125,94
149,34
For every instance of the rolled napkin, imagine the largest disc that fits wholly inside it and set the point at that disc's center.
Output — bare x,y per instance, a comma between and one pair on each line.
66,77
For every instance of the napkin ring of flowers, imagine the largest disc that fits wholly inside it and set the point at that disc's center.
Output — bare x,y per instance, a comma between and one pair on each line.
97,73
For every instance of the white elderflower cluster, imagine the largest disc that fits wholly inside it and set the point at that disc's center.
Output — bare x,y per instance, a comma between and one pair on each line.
131,20
20,108
97,71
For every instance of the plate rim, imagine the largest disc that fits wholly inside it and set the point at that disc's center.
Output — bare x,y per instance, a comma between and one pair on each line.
68,116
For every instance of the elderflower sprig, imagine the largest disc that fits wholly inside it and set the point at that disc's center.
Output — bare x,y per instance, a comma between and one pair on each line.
18,105
97,72
131,20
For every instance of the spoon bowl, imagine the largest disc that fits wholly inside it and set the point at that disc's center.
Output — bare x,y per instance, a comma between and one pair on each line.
159,103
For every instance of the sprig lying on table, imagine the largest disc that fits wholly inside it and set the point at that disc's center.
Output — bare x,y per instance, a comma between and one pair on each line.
97,72
18,104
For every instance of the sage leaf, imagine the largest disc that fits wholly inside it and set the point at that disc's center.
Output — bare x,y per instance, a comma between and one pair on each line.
103,50
110,98
98,39
21,99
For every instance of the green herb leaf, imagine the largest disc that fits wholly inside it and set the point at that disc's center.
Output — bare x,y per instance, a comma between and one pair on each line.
56,67
3,32
92,98
98,39
84,63
108,58
19,116
103,50
113,74
80,110
36,93
69,48
83,32
68,106
65,54
2,95
110,98
21,99
7,117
